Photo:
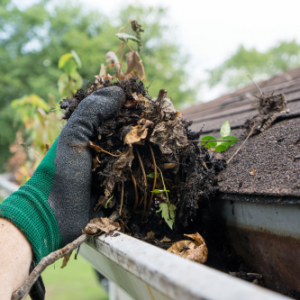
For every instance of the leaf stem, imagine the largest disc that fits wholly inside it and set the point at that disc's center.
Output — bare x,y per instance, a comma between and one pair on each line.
162,179
155,176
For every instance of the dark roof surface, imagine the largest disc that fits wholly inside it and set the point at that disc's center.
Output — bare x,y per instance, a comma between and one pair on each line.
273,155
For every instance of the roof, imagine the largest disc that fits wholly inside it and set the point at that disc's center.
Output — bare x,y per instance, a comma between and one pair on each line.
273,155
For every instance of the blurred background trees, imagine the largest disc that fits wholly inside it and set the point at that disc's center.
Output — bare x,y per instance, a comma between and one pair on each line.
233,72
33,40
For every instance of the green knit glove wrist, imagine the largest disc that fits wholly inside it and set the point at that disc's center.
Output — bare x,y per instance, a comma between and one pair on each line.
30,211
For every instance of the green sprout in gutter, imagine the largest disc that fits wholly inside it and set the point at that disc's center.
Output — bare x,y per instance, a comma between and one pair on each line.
167,209
221,144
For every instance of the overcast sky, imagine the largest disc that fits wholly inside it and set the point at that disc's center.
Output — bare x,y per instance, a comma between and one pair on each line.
211,30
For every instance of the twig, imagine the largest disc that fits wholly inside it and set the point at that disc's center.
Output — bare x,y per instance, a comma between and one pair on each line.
99,149
145,179
240,147
261,93
154,181
135,190
122,198
44,263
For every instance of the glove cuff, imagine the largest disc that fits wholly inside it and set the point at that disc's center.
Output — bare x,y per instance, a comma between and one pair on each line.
29,210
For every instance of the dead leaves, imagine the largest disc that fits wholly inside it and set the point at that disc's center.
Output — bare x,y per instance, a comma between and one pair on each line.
66,260
252,172
134,65
195,250
169,132
101,225
136,135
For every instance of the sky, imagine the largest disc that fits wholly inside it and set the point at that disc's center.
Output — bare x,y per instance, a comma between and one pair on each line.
211,31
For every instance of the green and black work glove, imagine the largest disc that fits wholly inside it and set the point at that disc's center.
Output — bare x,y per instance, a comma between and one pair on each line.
53,207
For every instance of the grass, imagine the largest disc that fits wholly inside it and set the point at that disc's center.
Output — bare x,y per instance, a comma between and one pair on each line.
77,281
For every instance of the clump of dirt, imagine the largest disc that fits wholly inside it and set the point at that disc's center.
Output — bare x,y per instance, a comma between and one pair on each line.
147,135
269,107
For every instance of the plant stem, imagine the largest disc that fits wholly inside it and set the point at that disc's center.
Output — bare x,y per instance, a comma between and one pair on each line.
162,179
155,175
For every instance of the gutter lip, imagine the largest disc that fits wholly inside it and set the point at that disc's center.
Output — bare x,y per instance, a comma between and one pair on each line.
173,276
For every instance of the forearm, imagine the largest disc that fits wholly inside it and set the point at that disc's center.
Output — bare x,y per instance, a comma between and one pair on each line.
15,259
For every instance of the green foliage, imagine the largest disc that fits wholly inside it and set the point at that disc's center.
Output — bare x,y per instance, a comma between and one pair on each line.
260,65
70,81
158,191
167,209
125,37
168,213
209,144
34,39
108,201
151,175
225,129
222,143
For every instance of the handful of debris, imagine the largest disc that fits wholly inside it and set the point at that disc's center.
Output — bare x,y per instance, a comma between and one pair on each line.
147,164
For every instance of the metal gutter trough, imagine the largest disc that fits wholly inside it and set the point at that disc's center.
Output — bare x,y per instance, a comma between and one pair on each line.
146,272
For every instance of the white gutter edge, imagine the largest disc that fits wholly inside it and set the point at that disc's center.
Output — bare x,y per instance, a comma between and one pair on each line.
168,274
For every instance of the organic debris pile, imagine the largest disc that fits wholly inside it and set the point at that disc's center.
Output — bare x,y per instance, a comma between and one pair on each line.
147,164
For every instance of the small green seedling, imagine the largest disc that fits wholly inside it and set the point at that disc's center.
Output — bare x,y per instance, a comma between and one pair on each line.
167,209
221,144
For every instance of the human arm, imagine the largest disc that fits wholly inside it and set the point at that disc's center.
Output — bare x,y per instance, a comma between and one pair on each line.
53,207
15,258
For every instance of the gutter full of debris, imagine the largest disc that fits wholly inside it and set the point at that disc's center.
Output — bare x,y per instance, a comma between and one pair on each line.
145,272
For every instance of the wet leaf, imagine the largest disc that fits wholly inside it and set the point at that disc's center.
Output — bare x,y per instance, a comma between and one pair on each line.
220,148
165,240
150,235
252,172
135,136
125,37
225,129
100,225
136,27
134,64
66,260
209,144
195,250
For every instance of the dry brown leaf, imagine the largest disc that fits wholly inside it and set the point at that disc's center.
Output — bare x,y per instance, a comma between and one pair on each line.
100,225
146,123
123,162
96,163
134,64
130,104
193,250
150,235
66,260
165,240
252,172
136,135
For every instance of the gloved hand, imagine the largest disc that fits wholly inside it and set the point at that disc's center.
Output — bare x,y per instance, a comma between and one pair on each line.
52,208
